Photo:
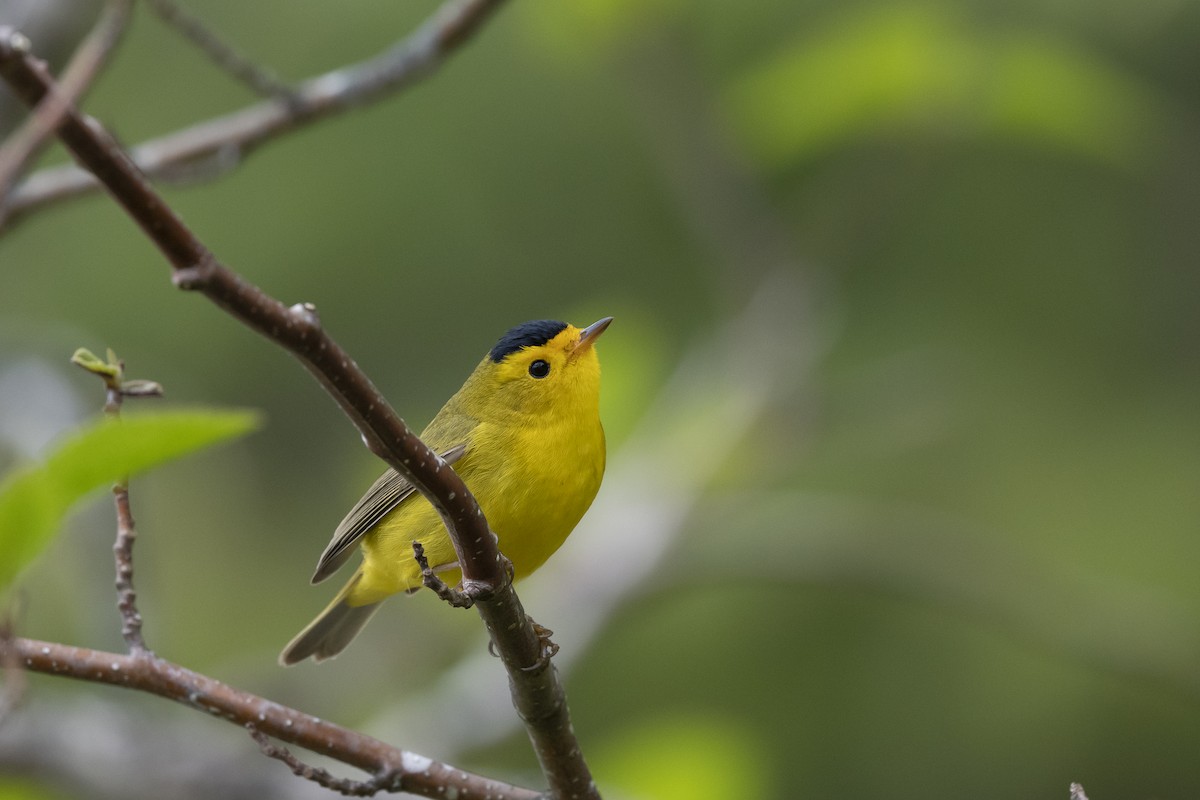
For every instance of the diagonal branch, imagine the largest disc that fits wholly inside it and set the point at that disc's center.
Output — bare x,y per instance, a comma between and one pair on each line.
398,770
536,690
232,137
190,27
78,76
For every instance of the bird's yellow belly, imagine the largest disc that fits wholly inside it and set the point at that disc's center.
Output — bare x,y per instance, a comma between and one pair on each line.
532,515
532,506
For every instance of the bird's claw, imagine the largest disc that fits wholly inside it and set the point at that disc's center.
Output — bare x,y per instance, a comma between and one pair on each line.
548,648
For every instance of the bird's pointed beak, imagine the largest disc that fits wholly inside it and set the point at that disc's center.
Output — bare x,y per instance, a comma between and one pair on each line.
589,335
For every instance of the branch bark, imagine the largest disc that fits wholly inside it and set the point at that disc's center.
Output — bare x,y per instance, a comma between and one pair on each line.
395,769
536,690
78,76
232,137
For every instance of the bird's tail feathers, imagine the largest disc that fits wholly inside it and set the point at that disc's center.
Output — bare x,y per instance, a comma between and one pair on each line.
332,630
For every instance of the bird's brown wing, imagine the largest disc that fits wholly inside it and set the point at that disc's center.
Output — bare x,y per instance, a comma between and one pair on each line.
384,495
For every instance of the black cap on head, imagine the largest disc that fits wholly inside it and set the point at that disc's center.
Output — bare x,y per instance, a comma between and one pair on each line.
527,334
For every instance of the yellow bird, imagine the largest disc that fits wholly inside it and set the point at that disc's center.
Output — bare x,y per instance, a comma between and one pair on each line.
524,434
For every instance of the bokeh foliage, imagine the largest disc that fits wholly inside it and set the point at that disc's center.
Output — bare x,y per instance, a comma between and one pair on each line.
35,498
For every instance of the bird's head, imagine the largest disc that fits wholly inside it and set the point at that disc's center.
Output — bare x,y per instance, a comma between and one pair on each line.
540,367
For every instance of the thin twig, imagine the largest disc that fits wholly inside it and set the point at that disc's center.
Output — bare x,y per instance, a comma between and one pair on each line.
260,80
438,586
537,693
148,673
85,65
131,618
322,777
116,389
230,138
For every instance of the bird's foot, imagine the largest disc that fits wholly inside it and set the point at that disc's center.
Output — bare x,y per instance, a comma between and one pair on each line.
547,651
548,648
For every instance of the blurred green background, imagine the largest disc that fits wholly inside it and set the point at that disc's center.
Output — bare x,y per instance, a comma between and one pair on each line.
902,395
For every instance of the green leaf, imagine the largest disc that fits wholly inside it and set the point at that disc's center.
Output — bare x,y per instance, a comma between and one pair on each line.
924,70
92,363
689,757
34,500
26,789
27,516
873,70
1048,92
585,30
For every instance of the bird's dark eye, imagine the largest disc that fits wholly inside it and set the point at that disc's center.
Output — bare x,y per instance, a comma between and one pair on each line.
539,369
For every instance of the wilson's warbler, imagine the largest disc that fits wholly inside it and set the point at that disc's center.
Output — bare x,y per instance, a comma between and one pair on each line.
524,434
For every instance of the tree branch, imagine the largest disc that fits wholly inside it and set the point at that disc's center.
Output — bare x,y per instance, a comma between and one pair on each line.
145,672
190,27
78,76
232,137
536,691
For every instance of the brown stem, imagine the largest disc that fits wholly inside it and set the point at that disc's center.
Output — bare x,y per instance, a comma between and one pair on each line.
145,672
131,618
433,583
79,74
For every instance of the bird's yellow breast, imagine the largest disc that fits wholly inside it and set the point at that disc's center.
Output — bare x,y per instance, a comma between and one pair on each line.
550,480
533,481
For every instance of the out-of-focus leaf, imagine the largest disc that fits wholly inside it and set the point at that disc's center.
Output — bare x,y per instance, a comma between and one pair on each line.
34,500
23,789
590,28
1053,94
28,515
684,758
110,449
869,71
903,69
634,363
